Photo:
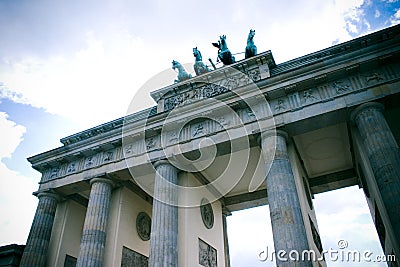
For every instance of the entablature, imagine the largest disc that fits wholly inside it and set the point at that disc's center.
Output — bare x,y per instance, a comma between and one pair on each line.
337,73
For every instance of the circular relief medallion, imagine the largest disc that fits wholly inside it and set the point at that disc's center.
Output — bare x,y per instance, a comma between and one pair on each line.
143,226
207,213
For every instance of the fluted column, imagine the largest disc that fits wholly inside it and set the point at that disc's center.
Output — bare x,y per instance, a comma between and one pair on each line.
288,227
93,240
384,157
35,252
164,223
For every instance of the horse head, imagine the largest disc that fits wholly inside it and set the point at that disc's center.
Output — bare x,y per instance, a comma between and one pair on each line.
222,39
182,74
175,64
223,44
197,54
251,49
251,34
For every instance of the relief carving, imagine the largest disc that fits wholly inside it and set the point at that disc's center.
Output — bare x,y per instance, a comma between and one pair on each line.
108,156
133,258
207,254
223,122
254,75
128,149
212,89
375,76
54,172
207,214
250,114
71,167
231,83
184,98
151,143
198,130
341,87
143,226
280,105
89,162
309,96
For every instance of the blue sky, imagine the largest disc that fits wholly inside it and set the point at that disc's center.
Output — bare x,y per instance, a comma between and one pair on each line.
66,66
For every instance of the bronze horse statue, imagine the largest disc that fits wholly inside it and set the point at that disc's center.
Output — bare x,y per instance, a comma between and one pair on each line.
199,66
182,74
251,49
223,52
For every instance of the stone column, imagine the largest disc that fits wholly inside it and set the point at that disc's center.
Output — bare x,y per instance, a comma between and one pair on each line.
164,223
93,240
384,157
35,252
288,227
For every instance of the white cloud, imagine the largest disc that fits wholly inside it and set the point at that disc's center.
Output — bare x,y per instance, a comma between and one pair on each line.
11,134
395,19
344,215
17,205
341,215
345,6
93,86
96,83
352,27
353,16
313,28
250,233
7,93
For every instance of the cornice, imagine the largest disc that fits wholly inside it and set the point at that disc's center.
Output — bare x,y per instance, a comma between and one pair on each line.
292,85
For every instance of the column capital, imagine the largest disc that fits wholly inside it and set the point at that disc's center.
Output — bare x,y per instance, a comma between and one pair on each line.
269,133
48,193
370,105
102,180
162,162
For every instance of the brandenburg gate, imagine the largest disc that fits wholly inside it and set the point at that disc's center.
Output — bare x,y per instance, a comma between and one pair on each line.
154,188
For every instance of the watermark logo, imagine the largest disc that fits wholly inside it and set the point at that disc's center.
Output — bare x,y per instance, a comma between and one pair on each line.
341,254
342,244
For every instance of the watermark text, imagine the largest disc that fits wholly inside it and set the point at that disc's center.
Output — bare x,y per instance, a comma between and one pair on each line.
342,254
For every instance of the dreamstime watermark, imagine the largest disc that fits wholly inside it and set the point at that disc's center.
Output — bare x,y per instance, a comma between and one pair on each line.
189,129
342,254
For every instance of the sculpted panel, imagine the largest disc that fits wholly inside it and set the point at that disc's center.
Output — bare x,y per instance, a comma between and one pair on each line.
207,213
212,89
293,99
143,226
133,258
207,255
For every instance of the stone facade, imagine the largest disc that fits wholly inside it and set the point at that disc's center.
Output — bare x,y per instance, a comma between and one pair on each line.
253,119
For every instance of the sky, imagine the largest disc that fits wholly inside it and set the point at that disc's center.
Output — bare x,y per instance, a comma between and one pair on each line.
66,66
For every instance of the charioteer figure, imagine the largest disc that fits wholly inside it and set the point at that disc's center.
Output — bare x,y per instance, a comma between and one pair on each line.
223,52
